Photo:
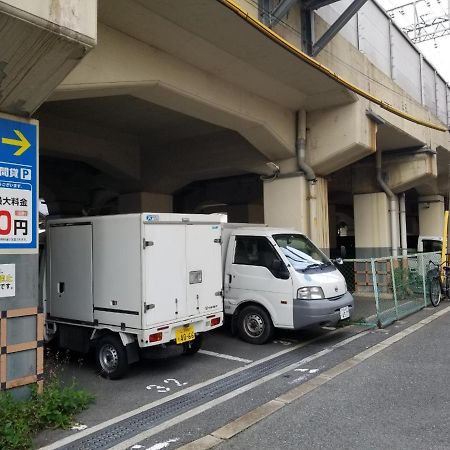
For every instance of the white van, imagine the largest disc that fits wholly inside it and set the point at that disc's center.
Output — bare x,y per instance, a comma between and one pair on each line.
277,278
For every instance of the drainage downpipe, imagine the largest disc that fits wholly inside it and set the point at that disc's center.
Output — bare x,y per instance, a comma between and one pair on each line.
403,224
300,150
393,208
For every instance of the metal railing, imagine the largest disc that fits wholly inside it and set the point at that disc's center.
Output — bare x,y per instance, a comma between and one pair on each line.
388,289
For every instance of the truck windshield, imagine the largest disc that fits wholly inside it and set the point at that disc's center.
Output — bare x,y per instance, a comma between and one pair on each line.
301,252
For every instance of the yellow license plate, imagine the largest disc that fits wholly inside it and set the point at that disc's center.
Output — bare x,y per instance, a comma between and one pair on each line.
185,334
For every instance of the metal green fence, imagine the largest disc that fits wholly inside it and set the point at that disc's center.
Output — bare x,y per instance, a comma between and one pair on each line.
388,289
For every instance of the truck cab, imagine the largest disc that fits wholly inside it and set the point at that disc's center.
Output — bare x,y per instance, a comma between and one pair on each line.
277,278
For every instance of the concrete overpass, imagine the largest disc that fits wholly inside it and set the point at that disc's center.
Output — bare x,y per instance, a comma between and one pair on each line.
182,108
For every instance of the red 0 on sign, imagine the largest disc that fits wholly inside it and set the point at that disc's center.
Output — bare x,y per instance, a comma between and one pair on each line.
4,230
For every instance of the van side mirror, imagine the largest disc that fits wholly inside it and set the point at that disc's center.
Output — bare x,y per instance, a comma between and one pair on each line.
339,261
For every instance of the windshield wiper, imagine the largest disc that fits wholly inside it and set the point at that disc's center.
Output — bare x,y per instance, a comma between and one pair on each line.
313,266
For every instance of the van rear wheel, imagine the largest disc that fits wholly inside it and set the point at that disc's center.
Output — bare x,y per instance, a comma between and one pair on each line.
255,325
111,355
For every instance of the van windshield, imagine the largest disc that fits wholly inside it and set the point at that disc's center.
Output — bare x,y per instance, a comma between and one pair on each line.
301,252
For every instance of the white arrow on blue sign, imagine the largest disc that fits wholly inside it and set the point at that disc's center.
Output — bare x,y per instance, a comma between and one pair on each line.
18,183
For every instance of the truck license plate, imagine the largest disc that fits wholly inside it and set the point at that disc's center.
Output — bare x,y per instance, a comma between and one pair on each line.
344,312
184,334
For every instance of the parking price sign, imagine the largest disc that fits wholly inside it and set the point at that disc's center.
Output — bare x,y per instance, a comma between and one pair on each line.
18,184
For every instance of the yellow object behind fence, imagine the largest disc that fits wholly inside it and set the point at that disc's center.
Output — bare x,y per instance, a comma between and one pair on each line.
444,256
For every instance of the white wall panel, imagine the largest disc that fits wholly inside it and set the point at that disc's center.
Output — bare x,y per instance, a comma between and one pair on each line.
429,89
374,36
441,99
405,64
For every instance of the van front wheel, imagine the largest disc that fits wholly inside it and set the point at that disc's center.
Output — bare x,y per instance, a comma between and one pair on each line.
255,325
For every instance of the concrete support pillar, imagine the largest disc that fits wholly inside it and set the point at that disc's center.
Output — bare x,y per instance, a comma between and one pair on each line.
286,204
332,226
145,201
431,215
372,225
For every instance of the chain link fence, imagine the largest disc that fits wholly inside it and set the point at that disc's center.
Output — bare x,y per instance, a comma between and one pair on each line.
388,289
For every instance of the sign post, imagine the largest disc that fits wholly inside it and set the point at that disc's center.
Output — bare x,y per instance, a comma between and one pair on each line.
19,248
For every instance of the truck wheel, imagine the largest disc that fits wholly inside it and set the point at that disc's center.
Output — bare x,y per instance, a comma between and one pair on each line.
192,347
112,359
255,325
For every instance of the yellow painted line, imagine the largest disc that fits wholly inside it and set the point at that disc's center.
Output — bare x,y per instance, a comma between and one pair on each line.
258,414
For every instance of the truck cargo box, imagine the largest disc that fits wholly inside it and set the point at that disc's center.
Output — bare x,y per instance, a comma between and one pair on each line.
154,277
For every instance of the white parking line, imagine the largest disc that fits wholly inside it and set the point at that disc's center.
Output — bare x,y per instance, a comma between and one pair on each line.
223,356
102,425
200,409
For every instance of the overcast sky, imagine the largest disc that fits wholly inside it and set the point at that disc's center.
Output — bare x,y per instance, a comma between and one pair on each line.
437,52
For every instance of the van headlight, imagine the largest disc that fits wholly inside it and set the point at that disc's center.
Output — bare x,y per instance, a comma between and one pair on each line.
310,293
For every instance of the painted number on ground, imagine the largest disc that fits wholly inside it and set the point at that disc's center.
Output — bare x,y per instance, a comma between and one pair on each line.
163,389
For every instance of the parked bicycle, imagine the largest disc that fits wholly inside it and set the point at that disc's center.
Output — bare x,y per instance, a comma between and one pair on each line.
438,282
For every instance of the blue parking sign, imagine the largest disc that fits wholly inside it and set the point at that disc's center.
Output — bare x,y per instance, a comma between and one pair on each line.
18,183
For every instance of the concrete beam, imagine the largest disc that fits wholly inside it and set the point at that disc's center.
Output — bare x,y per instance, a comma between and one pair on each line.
406,172
41,43
338,137
157,77
116,154
401,173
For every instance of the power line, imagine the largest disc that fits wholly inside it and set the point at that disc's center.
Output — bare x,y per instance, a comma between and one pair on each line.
425,25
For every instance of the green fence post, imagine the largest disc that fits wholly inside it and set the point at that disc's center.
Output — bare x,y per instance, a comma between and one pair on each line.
424,282
394,287
375,290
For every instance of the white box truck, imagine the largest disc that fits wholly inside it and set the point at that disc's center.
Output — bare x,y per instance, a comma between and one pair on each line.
127,282
277,278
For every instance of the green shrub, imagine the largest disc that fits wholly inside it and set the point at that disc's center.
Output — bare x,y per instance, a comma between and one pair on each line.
54,408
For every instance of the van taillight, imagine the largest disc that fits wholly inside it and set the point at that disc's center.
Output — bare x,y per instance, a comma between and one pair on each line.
215,321
155,337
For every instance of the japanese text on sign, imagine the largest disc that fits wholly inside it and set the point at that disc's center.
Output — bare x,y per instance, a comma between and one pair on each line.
7,280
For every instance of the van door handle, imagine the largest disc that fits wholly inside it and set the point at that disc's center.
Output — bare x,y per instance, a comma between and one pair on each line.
60,287
229,278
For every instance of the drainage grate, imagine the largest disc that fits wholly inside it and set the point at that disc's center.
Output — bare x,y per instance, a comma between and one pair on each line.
127,428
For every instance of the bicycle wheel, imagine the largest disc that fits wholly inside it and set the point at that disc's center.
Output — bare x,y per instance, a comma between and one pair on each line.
435,291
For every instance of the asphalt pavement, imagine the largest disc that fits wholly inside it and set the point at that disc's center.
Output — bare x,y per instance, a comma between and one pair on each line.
393,397
398,399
